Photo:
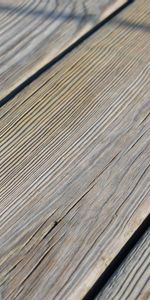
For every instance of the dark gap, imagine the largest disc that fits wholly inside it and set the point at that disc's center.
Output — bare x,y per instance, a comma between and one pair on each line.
118,260
51,229
28,81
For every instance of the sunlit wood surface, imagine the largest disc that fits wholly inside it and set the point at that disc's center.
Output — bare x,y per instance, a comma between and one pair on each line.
132,279
34,32
75,148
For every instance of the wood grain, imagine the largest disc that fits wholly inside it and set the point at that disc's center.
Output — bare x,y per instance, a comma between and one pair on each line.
132,280
32,33
75,176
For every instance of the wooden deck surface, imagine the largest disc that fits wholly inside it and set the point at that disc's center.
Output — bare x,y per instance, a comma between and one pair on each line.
75,156
34,32
132,280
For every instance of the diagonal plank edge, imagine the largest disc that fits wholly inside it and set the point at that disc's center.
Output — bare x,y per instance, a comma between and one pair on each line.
75,173
132,279
32,34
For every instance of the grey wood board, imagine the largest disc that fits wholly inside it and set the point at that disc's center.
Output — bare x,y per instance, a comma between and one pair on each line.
132,279
75,148
34,32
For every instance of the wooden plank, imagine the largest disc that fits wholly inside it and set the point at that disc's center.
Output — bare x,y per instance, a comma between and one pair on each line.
75,174
32,33
132,280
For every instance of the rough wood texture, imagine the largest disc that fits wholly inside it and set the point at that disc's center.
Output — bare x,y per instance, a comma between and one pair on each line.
34,32
75,176
132,280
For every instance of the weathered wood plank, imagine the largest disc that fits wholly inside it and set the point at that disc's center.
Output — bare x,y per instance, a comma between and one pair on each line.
132,280
75,173
34,32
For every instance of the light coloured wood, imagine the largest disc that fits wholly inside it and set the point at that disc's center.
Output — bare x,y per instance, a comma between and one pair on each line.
75,148
132,280
32,33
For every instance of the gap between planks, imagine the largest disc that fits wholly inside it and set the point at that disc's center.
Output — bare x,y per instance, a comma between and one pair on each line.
112,281
132,280
29,40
